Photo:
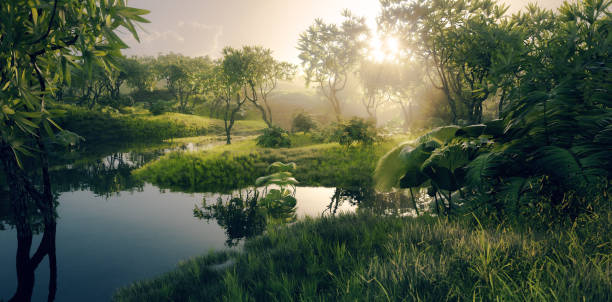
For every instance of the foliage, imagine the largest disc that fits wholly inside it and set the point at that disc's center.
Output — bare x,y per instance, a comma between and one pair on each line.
303,122
241,164
264,74
100,127
203,172
246,215
360,257
38,46
40,42
356,130
548,159
274,137
329,54
183,75
462,41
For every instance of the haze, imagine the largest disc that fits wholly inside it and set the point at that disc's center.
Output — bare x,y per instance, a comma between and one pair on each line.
199,28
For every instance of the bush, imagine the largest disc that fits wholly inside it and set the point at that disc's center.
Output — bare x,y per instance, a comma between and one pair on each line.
356,130
274,137
158,107
303,122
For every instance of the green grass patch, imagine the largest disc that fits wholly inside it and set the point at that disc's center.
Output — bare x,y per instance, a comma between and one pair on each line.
107,128
235,166
363,257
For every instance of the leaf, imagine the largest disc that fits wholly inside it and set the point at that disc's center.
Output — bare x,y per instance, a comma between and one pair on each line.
562,164
390,168
442,177
7,110
479,169
440,135
471,131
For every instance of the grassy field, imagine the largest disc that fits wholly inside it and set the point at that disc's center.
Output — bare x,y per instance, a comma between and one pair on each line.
234,166
107,128
371,258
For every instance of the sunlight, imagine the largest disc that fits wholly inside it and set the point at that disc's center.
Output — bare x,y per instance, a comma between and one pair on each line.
383,49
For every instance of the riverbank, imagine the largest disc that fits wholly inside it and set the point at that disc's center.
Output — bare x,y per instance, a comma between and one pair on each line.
229,167
371,258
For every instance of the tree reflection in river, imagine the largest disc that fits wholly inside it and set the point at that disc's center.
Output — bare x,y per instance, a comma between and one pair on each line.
368,199
245,215
30,218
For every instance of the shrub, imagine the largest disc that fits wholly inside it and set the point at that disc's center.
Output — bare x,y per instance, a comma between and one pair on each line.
274,137
158,107
303,122
356,130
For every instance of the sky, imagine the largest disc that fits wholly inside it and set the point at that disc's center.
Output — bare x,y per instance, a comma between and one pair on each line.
204,27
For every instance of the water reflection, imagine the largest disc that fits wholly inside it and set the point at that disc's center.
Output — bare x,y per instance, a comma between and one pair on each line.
244,214
108,218
247,213
395,203
30,218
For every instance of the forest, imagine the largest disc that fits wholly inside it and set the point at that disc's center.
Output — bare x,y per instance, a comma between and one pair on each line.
444,150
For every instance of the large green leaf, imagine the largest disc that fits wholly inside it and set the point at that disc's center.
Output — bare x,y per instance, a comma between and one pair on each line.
440,135
471,131
562,164
390,168
442,177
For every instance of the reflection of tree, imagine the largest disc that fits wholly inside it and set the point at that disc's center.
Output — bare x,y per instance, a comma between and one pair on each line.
240,217
368,199
104,176
246,215
29,217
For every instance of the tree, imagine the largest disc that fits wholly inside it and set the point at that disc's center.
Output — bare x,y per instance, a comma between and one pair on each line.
228,83
39,43
549,157
140,74
182,75
329,53
376,78
263,76
459,40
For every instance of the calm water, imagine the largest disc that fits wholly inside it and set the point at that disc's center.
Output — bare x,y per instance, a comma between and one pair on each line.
113,230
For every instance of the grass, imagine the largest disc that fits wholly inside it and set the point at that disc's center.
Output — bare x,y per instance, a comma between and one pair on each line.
229,167
104,127
214,126
371,258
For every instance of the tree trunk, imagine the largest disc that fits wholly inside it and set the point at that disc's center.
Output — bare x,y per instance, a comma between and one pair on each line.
20,194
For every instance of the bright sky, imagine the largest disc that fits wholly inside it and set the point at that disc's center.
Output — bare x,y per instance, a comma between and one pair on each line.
204,27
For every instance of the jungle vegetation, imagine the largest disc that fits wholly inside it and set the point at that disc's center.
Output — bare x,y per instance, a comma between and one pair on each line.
501,139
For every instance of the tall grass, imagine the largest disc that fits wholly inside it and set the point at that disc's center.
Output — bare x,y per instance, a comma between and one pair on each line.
371,258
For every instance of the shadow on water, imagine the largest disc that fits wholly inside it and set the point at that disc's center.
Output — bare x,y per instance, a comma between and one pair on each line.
30,219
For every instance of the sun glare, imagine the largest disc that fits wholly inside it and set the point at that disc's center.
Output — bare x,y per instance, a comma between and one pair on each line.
383,49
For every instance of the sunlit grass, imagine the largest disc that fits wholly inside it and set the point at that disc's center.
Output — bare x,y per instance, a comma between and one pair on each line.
362,257
228,167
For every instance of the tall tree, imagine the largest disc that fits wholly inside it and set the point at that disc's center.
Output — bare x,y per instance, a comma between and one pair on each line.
228,83
329,53
39,42
376,79
459,40
262,77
